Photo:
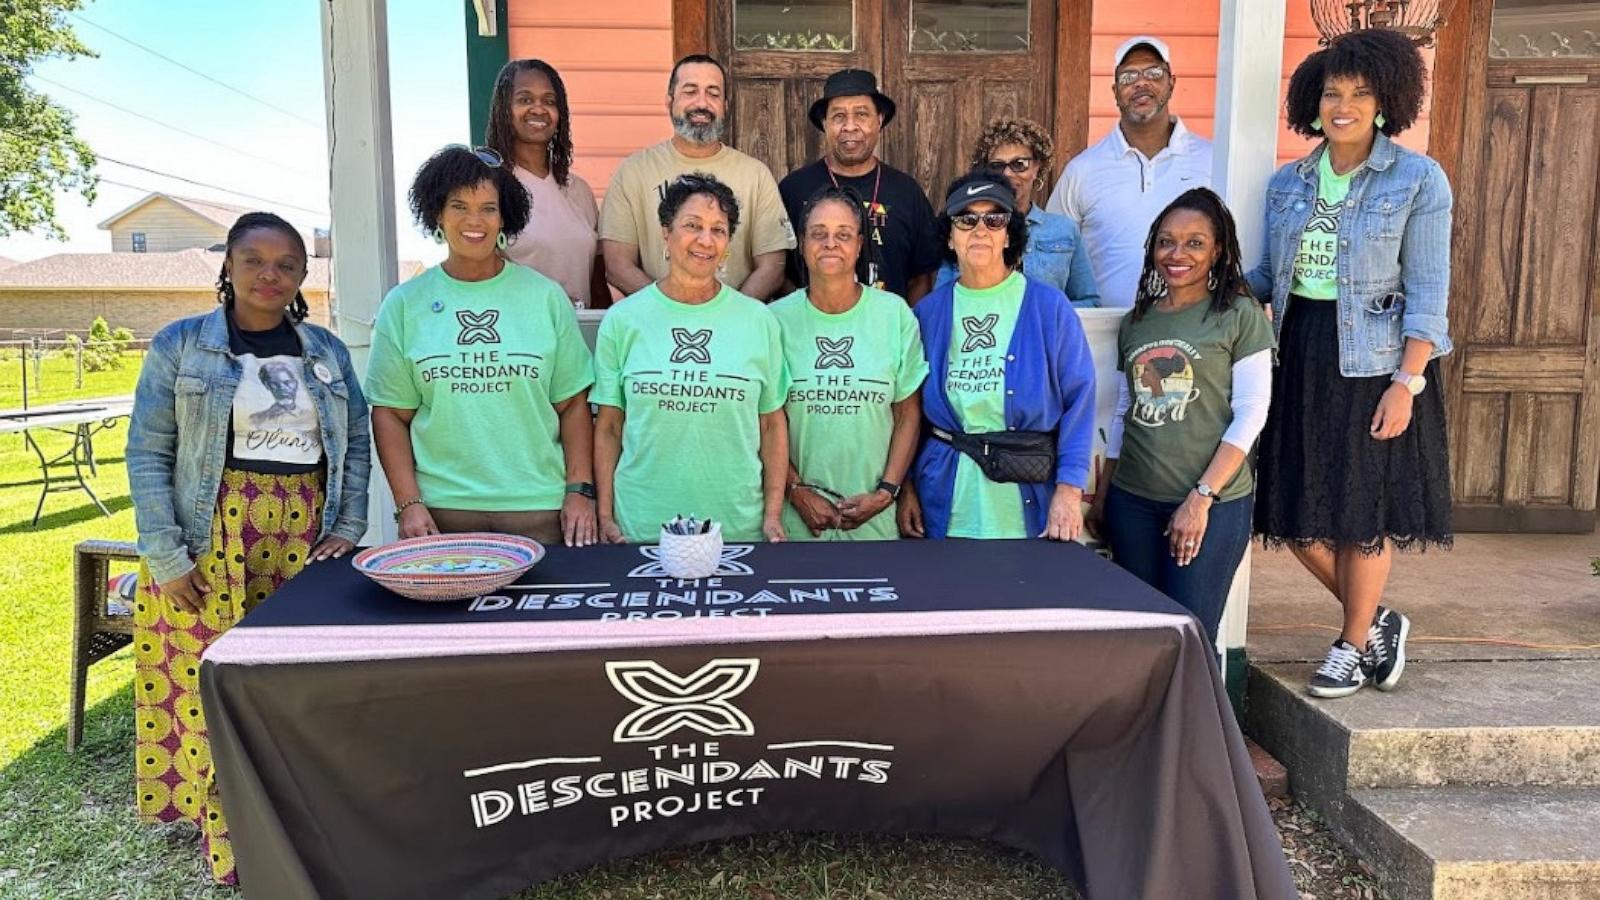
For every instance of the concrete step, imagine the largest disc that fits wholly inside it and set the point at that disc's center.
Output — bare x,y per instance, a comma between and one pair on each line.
1508,722
1471,842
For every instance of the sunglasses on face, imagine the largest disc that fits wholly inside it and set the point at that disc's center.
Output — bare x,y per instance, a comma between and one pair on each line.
1016,166
485,155
1131,76
994,221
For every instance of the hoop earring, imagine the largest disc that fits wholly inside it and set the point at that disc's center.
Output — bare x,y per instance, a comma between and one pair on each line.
1155,285
438,235
1211,281
500,241
1316,124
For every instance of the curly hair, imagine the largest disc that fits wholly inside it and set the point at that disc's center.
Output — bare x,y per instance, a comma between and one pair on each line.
698,184
1388,61
847,196
1016,229
1026,132
298,309
1228,268
501,135
458,168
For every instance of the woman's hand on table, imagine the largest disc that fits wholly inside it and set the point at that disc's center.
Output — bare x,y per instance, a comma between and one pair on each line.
187,591
578,526
1065,520
1393,415
1186,530
610,531
772,529
331,547
862,508
416,521
817,511
908,513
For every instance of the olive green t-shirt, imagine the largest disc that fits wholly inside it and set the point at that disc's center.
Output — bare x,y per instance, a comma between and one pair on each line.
1179,367
1316,264
693,381
845,371
975,383
482,363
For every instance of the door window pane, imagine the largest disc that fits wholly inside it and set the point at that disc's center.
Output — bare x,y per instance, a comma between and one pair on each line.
1539,29
804,25
969,26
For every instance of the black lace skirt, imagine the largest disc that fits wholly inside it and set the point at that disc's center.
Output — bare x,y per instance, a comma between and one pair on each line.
1322,479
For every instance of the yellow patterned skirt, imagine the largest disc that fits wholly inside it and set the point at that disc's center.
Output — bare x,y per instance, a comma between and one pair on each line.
261,534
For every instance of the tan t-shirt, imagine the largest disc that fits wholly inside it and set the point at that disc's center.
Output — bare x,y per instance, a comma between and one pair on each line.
630,214
560,238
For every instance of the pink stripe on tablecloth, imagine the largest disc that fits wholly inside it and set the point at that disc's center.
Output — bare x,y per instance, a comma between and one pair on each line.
342,643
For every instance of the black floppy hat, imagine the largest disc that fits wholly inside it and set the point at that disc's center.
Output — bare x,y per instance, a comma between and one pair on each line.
852,83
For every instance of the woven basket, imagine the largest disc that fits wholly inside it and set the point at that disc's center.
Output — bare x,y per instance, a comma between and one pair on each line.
439,568
690,556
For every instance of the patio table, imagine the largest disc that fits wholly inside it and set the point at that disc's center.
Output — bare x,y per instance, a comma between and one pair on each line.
1021,691
82,419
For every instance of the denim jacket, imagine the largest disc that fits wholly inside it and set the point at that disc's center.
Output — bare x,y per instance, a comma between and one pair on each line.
1055,255
1394,253
177,438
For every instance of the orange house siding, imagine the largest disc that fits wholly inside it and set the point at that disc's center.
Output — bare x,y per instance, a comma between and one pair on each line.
615,58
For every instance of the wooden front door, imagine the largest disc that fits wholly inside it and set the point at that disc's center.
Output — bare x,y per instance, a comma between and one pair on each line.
950,65
1525,286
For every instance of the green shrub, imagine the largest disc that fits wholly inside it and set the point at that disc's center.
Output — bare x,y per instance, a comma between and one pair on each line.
105,346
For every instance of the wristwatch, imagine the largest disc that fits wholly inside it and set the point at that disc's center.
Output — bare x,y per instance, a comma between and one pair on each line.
1204,490
586,488
1413,383
889,486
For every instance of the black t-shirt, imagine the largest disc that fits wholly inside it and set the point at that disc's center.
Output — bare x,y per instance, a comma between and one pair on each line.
900,242
275,428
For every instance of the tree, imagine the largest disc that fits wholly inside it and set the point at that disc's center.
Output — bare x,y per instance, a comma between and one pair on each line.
39,152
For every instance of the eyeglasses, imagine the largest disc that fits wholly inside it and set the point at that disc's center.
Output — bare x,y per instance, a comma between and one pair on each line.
995,221
486,155
1016,166
1127,77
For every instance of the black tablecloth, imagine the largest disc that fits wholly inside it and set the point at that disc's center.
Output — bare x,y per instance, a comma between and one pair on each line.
1027,692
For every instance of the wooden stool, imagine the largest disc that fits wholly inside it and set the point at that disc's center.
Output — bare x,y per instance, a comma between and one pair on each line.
96,631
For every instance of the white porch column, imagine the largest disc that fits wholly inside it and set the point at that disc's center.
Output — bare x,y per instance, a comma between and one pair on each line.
355,45
1249,77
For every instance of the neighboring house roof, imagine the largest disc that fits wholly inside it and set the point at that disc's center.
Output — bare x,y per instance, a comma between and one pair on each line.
183,270
219,213
6,262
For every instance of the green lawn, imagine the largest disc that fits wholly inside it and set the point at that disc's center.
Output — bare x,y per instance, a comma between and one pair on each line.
57,379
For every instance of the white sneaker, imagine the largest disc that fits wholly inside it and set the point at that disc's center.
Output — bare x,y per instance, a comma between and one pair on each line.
1341,674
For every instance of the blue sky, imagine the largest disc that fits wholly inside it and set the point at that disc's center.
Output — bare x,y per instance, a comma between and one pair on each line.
271,50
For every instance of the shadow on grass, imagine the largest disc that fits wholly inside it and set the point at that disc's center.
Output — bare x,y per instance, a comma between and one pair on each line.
84,511
70,829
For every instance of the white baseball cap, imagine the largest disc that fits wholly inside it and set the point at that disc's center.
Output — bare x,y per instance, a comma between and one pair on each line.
1143,40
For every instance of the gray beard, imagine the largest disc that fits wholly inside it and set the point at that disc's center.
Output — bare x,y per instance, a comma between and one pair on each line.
708,133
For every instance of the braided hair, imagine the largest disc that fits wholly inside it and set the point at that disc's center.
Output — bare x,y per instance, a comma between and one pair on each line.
852,200
1227,269
298,309
501,135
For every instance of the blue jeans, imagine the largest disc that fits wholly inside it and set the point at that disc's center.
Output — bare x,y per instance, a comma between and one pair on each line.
1134,529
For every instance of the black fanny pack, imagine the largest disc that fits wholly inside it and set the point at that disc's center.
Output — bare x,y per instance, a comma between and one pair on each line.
1026,457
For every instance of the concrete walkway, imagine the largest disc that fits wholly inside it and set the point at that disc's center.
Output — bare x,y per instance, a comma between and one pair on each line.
1534,589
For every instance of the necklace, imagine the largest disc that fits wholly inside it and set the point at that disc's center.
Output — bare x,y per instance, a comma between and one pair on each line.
872,210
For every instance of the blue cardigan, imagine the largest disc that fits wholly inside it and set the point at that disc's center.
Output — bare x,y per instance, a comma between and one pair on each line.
1049,387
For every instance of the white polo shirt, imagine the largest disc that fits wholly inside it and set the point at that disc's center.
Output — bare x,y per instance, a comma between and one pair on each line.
1114,192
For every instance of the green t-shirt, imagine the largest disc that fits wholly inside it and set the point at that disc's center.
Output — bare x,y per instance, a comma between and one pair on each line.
481,362
692,381
845,370
975,383
1179,367
1316,264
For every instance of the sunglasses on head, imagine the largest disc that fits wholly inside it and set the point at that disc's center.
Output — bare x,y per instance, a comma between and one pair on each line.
994,221
1017,166
485,155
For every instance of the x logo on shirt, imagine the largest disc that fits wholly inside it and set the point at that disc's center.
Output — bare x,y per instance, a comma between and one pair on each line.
980,332
835,354
692,346
478,328
1325,219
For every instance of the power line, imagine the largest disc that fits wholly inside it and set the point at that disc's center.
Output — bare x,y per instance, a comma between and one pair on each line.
170,127
214,187
193,71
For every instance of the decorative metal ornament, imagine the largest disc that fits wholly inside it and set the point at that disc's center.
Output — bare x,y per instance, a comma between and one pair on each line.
1416,19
